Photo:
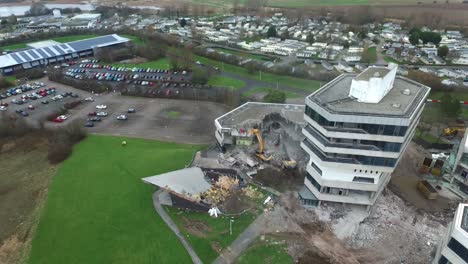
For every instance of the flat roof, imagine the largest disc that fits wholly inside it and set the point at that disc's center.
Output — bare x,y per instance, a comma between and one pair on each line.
372,72
186,182
253,112
334,97
30,55
42,44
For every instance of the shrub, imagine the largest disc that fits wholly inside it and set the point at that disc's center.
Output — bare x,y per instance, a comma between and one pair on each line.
275,96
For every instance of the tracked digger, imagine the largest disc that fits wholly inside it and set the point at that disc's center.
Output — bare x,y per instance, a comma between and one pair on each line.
261,147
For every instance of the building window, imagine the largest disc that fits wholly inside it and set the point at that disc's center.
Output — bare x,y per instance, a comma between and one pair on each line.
443,260
313,181
363,179
316,168
458,249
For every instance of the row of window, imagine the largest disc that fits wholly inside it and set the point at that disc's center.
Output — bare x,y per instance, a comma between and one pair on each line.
354,143
352,159
387,130
458,249
313,181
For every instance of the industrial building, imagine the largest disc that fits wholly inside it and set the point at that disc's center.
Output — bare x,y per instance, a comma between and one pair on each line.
453,247
56,52
459,175
358,127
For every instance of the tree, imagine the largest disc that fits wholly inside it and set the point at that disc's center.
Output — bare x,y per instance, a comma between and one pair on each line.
275,96
12,20
38,9
272,32
442,51
310,39
450,106
4,22
414,38
183,22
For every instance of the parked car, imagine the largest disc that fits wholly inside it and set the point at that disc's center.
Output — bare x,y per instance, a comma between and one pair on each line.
95,119
131,110
3,108
89,124
58,120
102,114
101,106
89,99
92,114
63,117
122,117
31,107
45,102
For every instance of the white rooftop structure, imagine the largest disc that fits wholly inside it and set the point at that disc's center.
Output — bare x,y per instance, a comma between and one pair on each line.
187,182
86,16
43,44
371,85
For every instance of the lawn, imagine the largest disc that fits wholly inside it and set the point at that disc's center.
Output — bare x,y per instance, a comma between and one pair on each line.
269,250
226,82
99,211
427,137
462,96
283,80
390,59
157,64
206,233
173,114
244,54
372,51
265,90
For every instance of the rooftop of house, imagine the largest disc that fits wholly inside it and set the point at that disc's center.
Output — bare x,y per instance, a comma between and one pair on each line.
400,101
253,112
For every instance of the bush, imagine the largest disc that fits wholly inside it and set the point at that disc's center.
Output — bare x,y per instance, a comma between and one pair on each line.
200,76
61,141
275,96
4,83
34,73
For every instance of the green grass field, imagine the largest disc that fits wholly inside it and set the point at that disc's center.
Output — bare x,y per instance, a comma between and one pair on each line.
157,64
210,232
257,90
244,54
269,250
390,59
303,84
372,54
462,96
226,82
99,211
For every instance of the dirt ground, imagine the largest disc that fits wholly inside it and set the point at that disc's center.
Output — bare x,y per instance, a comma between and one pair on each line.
281,180
406,176
24,178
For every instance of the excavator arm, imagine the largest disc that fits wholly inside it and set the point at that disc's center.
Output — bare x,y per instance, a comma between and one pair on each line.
261,147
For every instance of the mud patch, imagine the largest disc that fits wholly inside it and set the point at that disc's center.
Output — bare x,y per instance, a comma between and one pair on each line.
196,228
281,180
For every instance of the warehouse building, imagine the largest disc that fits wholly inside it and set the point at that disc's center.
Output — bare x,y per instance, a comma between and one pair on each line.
45,55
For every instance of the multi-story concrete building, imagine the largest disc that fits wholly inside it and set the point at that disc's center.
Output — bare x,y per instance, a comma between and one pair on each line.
453,248
358,126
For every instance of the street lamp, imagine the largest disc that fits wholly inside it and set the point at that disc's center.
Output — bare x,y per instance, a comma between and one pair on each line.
230,225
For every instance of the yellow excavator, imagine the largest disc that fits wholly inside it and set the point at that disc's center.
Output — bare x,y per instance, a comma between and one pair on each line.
261,147
451,132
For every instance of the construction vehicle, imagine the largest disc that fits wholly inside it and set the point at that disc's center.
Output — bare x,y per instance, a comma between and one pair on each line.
450,132
289,164
261,147
427,190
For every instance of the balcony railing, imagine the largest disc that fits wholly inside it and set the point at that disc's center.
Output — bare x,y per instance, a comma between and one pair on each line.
324,157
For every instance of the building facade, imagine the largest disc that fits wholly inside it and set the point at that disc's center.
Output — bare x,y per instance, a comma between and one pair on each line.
453,248
358,127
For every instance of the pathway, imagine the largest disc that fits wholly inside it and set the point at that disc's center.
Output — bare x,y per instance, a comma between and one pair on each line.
174,228
242,242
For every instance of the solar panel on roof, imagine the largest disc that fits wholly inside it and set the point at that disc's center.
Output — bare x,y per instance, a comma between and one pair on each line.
42,53
60,50
25,56
46,49
63,46
89,43
16,58
32,54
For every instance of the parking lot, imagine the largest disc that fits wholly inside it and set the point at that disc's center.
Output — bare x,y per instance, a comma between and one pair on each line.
161,119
